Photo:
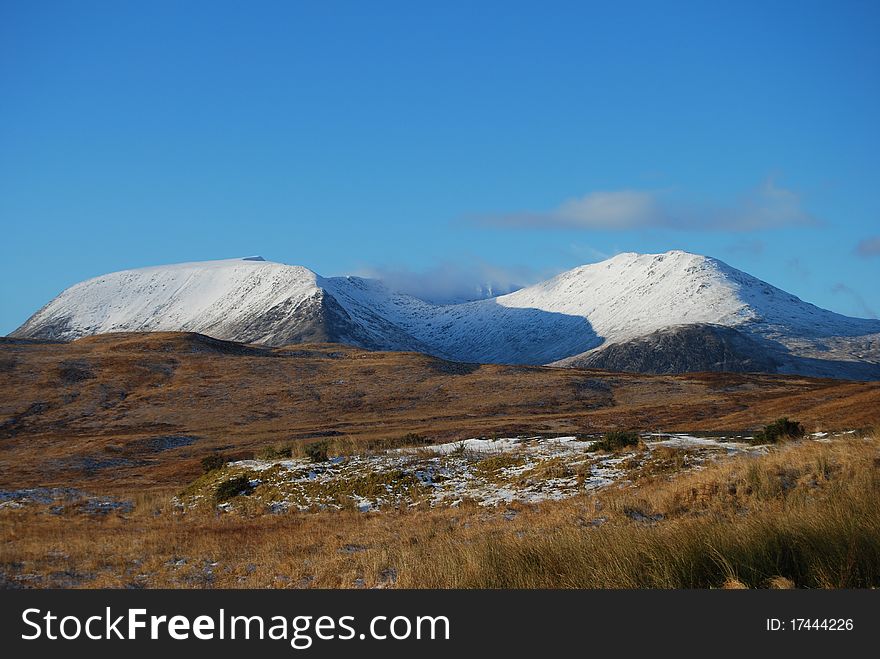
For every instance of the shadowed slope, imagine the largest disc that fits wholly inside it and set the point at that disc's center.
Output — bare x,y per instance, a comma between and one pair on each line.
626,304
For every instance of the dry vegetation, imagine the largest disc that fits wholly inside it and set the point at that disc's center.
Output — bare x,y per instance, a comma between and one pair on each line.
105,412
807,514
134,415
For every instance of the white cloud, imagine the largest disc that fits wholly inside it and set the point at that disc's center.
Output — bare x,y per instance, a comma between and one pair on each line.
766,207
610,210
447,283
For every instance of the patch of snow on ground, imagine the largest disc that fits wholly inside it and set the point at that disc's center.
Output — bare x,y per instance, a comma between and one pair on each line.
490,472
683,440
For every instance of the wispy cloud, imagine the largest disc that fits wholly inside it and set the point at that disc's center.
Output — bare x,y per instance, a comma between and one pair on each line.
624,209
447,283
768,206
869,247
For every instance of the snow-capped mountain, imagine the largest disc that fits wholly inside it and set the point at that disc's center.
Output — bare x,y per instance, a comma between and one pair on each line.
249,300
647,312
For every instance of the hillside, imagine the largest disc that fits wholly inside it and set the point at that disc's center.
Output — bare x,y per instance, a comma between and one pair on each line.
123,411
568,320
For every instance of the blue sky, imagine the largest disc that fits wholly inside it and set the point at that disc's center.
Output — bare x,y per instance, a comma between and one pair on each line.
440,144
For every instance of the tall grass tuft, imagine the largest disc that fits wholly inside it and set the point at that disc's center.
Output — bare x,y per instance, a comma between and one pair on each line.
771,534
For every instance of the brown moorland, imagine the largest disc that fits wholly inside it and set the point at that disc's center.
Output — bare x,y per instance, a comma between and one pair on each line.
806,514
127,413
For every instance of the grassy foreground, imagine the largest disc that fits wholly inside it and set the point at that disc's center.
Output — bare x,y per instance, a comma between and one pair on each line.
807,514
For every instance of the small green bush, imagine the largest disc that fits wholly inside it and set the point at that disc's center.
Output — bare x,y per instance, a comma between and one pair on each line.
616,440
317,452
213,461
780,429
232,488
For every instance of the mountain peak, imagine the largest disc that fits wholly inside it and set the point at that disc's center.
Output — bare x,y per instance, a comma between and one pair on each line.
579,312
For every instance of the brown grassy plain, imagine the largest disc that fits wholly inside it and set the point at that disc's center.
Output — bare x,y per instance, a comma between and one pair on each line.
93,415
807,514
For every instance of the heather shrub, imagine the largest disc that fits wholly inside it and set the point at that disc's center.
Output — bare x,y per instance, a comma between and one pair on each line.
231,488
213,461
779,430
617,440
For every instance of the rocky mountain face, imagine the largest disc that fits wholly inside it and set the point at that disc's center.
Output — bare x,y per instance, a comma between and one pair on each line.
682,349
656,313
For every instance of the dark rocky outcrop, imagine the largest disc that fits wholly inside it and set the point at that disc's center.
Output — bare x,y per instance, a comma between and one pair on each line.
683,349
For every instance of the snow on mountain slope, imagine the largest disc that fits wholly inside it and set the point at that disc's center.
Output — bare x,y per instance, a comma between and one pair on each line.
249,300
564,319
480,331
597,305
633,295
211,297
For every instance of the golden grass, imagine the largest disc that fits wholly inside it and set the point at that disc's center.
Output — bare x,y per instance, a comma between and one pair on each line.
805,515
68,409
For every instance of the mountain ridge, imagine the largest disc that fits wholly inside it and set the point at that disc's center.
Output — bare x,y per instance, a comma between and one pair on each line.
570,319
